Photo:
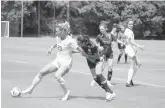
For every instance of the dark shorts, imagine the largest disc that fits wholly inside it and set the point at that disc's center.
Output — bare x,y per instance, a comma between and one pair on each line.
109,56
92,64
120,46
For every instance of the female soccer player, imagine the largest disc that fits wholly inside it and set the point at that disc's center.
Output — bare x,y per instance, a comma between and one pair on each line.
121,47
131,50
95,64
104,41
62,63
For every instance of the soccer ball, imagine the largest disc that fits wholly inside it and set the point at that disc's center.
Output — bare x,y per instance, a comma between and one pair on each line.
15,92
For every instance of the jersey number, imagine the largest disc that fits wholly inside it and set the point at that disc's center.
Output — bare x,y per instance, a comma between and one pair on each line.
59,48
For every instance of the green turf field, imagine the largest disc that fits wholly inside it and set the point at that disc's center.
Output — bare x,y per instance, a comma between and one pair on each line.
22,58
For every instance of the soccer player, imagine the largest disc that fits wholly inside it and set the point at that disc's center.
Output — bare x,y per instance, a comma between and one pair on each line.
62,63
104,42
95,64
121,47
131,50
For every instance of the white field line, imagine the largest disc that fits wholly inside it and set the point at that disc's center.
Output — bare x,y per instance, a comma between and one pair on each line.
80,72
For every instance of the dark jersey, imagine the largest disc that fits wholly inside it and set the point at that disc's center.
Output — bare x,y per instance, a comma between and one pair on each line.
90,49
106,43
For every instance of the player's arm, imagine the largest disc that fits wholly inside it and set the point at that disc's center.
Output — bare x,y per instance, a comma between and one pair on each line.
132,41
51,48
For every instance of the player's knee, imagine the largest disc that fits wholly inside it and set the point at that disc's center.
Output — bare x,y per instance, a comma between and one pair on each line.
110,68
61,80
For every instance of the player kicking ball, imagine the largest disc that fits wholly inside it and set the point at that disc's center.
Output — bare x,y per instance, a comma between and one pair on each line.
131,50
62,63
95,64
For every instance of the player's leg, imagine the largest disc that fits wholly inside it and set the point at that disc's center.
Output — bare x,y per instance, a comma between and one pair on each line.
92,65
131,72
137,65
126,58
120,53
110,70
59,77
44,71
102,82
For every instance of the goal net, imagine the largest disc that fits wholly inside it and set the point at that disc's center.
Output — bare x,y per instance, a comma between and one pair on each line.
4,28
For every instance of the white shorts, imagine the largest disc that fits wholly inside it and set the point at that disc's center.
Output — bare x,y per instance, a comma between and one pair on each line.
59,62
130,51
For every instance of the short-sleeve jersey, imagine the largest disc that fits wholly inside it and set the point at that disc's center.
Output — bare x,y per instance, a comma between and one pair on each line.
121,37
106,42
91,49
129,35
65,48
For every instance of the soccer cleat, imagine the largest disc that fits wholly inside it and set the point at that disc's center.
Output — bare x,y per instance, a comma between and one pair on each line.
66,95
132,82
93,83
109,84
26,91
129,85
110,96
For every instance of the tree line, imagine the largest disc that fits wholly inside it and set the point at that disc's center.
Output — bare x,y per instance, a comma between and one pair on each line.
85,16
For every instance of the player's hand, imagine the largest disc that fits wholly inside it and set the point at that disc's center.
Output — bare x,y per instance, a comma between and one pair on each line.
141,47
84,54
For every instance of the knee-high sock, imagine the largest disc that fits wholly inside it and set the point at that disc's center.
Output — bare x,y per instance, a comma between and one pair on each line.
62,84
100,79
109,76
125,57
35,82
119,57
130,75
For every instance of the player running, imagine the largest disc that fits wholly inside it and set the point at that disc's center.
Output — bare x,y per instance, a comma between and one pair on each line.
131,50
104,42
121,47
95,64
62,63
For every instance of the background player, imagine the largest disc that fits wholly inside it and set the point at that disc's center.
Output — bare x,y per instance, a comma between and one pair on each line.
121,47
131,50
104,42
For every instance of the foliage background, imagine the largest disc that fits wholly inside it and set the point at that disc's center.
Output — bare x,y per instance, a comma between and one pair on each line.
85,16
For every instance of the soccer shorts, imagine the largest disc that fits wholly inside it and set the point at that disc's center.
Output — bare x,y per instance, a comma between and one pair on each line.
60,62
121,46
130,51
92,64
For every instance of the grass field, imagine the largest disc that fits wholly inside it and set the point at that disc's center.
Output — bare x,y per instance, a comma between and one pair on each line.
22,58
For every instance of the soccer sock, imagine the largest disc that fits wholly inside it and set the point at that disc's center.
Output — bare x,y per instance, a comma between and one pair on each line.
119,57
35,82
62,84
109,76
130,75
103,83
125,57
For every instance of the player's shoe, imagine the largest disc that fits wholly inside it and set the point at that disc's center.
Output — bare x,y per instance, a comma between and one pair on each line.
132,82
93,83
66,95
27,91
109,84
129,84
110,96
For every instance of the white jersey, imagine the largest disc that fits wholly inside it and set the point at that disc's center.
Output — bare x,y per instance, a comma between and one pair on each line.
65,48
130,49
129,35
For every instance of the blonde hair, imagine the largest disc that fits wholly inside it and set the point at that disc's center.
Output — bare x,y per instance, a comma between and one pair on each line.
65,26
